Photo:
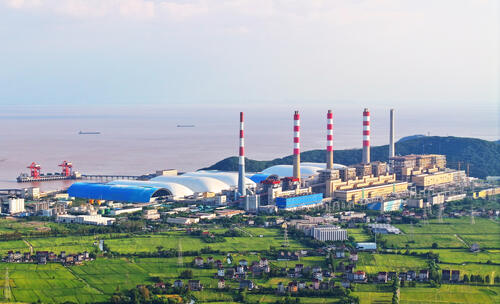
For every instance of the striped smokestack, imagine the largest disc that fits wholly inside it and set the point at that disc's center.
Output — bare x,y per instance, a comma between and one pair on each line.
391,135
241,160
366,136
296,145
329,140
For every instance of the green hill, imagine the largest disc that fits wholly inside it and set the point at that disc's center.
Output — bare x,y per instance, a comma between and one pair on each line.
483,156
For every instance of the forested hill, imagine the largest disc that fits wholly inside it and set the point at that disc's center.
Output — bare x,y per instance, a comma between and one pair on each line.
483,156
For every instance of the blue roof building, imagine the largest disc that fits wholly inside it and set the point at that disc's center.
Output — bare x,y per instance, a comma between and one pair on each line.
119,193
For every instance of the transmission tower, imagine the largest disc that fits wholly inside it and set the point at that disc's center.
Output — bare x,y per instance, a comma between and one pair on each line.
180,262
425,215
472,220
285,238
440,215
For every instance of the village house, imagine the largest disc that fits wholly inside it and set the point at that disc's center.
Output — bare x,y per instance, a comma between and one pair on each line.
178,284
198,261
280,288
195,285
221,284
247,284
382,277
423,275
360,276
445,275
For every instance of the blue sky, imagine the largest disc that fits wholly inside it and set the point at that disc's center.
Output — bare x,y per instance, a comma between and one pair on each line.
232,52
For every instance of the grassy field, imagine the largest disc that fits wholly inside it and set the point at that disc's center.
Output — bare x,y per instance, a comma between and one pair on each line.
149,243
422,241
451,294
444,294
373,263
459,256
358,234
454,226
51,283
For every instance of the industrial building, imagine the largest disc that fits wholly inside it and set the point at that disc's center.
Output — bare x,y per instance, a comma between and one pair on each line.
171,186
13,205
386,206
329,233
182,220
384,229
85,219
381,191
300,201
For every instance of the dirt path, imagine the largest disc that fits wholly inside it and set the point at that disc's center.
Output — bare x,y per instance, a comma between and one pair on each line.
29,245
462,240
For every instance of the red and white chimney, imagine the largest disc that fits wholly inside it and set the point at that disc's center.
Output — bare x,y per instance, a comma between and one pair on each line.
296,145
366,136
329,140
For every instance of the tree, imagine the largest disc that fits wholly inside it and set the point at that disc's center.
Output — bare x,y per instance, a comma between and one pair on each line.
186,274
487,279
434,246
466,278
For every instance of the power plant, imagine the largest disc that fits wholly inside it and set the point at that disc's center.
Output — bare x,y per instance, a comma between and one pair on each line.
287,187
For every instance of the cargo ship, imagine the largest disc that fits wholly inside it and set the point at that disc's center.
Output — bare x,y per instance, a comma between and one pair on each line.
85,133
185,126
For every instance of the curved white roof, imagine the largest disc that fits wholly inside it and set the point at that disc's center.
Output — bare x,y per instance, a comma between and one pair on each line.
306,169
177,190
230,178
322,165
195,183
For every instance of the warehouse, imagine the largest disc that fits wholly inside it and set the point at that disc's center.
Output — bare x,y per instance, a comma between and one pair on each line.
118,193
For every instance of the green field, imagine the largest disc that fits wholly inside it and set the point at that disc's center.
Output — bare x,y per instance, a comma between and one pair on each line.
453,226
358,234
149,243
51,283
422,241
459,256
444,294
373,263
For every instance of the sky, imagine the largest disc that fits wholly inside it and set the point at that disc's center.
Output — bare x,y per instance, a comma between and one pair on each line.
401,53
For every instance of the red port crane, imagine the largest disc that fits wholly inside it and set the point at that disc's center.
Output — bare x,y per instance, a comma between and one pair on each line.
66,168
35,170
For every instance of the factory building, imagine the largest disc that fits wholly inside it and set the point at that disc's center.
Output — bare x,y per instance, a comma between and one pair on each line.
13,205
97,220
382,191
299,202
329,233
407,166
386,206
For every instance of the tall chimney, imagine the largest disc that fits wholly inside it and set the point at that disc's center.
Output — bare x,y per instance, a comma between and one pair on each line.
241,161
366,136
329,140
391,136
296,145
